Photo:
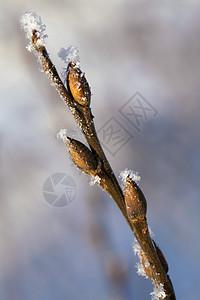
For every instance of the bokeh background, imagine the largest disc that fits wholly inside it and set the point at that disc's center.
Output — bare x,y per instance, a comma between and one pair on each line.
84,250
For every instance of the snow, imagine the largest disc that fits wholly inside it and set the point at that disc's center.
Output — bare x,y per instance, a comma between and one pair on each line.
30,21
71,54
158,293
131,174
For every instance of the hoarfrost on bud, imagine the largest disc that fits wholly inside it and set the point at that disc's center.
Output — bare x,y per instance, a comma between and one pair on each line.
30,22
158,293
71,54
131,174
62,135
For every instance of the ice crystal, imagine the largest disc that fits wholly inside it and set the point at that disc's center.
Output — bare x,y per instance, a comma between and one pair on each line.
30,22
95,179
158,293
140,268
71,54
131,174
62,135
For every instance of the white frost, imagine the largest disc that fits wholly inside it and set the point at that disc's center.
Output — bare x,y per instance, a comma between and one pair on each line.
31,21
71,54
140,270
137,250
158,293
131,174
95,179
62,135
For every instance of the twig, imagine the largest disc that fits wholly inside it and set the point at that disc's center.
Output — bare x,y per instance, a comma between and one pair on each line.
93,161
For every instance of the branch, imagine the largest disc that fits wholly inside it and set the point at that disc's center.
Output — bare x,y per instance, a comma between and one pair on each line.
93,162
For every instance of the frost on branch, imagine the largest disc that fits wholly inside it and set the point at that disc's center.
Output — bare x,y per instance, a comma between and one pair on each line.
131,174
95,180
31,22
141,266
158,293
143,269
92,161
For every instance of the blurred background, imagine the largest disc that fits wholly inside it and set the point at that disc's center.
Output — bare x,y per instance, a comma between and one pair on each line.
84,249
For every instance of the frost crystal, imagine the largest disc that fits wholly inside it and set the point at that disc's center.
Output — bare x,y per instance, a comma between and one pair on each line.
95,179
30,21
131,174
140,270
158,293
137,250
62,135
71,54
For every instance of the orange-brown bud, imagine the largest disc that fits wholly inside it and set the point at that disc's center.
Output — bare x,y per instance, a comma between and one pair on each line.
135,201
82,156
78,86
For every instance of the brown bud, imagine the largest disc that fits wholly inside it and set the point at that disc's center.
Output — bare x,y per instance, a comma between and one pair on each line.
82,156
78,86
135,201
161,257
